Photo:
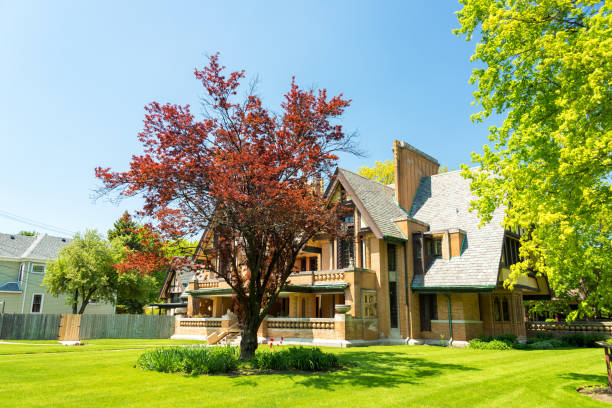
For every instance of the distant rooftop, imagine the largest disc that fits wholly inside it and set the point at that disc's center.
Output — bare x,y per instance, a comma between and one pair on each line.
41,247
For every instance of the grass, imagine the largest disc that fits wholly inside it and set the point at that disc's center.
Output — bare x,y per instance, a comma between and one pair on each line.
103,374
50,346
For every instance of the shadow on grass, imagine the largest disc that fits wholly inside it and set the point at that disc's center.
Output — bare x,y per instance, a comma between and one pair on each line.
587,378
373,369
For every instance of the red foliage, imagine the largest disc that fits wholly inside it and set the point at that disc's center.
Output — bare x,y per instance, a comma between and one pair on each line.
242,173
150,258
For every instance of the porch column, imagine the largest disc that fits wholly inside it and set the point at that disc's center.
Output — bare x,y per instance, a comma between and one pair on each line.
217,306
311,306
293,305
190,305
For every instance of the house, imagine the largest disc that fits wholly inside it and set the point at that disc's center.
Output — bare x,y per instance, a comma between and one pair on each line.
23,262
173,288
416,268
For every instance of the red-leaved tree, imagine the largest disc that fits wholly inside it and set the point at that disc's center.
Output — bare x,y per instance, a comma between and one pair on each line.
245,175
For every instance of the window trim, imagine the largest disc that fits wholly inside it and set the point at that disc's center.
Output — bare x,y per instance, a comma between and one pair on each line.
43,270
42,298
20,274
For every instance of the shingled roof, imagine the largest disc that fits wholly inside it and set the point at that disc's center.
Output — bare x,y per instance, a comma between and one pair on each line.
40,247
442,201
375,200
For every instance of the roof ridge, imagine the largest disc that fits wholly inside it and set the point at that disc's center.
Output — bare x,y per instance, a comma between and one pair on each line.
33,245
364,177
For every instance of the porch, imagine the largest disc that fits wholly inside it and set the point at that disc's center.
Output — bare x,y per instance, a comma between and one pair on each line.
327,307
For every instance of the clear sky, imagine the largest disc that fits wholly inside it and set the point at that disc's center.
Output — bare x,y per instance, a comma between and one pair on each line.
75,76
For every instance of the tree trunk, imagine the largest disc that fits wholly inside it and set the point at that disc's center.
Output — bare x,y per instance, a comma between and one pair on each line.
83,306
248,344
75,302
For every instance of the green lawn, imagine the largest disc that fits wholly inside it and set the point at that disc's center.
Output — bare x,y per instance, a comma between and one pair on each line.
102,374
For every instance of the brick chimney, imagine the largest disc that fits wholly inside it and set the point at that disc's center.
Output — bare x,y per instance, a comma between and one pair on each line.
410,165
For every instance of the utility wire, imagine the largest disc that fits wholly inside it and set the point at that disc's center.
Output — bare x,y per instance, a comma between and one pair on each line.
34,223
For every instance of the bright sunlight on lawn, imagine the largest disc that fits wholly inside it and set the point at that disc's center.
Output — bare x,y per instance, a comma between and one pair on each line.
103,374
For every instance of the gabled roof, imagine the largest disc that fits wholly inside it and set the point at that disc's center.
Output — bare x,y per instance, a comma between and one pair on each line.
442,201
40,247
376,203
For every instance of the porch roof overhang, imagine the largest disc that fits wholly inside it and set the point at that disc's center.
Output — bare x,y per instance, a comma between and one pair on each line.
453,289
209,292
168,305
326,288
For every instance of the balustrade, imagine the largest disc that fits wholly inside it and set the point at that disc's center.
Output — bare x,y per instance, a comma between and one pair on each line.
301,323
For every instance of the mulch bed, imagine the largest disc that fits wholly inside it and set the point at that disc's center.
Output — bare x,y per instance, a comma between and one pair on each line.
598,392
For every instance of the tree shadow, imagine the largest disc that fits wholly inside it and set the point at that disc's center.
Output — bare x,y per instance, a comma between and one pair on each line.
373,369
587,378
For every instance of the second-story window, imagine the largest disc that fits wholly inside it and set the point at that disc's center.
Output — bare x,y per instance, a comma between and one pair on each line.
510,251
435,247
303,266
391,257
314,263
346,253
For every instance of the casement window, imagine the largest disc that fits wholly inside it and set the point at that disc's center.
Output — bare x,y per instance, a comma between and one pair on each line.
391,257
303,265
346,253
314,263
417,253
392,270
428,305
37,300
435,247
501,309
38,268
510,252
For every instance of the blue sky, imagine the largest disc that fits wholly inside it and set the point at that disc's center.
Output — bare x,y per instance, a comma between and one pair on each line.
75,77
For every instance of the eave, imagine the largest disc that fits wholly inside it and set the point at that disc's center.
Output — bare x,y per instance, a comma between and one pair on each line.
454,289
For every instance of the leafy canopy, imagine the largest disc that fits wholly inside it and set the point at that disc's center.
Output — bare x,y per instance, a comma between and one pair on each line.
83,270
547,66
246,176
384,172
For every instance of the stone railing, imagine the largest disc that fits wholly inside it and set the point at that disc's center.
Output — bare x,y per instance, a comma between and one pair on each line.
205,284
207,322
324,276
562,327
300,323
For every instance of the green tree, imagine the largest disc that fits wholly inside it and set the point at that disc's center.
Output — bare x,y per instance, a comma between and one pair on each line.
83,270
383,172
125,228
547,66
137,289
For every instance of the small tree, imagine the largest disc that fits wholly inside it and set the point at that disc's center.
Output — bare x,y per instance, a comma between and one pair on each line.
245,175
83,270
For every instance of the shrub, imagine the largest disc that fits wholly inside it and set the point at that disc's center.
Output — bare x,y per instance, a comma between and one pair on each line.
507,338
488,345
192,360
546,344
544,336
295,358
582,340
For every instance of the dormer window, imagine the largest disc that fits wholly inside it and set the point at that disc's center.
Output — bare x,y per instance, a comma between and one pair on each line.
435,247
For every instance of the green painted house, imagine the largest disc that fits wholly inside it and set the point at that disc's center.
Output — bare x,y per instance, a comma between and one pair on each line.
23,262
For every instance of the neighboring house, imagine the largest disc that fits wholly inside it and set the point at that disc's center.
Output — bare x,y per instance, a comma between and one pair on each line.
416,267
23,263
173,288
